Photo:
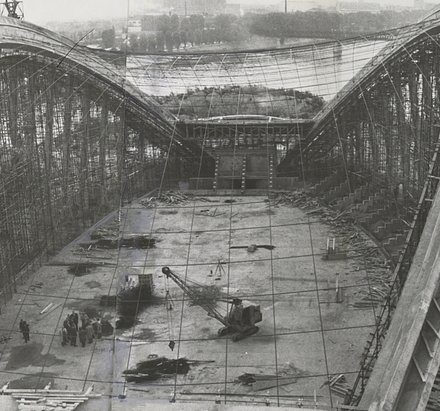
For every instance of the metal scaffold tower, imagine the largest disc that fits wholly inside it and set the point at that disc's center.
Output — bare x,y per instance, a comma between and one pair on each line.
12,9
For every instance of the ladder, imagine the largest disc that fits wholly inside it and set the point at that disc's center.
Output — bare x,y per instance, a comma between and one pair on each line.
243,174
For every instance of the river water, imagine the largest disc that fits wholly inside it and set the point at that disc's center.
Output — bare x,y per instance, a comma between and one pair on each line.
322,69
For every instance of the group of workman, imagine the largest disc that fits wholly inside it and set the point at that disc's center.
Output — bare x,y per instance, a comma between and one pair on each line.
90,329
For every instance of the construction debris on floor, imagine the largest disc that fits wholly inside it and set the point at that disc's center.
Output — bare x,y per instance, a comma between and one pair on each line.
253,247
109,237
48,399
109,230
169,198
260,382
158,367
339,386
364,254
4,339
208,213
133,241
36,286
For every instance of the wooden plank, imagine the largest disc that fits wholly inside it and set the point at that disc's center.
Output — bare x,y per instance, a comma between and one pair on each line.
264,385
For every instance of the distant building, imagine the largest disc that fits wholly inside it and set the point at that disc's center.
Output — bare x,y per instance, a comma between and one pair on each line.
188,7
301,5
354,7
259,9
134,26
149,23
233,8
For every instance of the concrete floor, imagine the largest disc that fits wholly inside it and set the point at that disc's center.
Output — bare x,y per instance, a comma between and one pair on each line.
315,336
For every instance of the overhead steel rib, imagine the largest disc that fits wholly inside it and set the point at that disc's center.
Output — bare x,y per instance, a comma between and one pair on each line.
27,37
366,77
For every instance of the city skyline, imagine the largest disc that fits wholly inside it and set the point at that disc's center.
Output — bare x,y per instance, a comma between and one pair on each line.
41,11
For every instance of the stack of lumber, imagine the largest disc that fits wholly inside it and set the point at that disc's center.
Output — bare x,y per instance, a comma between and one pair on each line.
339,386
47,399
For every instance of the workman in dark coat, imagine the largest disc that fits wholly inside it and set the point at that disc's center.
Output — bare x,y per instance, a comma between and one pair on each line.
89,330
82,336
64,336
97,328
26,331
73,334
84,319
74,316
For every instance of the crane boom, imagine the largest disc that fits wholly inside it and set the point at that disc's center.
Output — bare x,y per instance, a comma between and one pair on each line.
240,321
194,296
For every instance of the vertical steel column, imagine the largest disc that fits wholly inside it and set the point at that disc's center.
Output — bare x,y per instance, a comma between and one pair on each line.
67,138
103,140
84,157
48,151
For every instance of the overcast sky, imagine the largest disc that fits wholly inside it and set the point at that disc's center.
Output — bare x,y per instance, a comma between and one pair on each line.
40,11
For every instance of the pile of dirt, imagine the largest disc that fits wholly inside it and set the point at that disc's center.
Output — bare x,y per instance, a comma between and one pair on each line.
168,212
80,269
131,241
139,241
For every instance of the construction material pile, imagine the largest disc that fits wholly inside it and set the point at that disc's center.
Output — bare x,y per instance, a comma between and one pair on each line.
168,198
297,198
110,230
109,238
339,386
156,368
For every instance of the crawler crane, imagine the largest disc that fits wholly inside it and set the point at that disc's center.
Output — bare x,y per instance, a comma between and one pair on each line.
239,322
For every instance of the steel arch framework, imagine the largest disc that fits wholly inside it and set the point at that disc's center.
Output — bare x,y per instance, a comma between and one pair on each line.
384,119
75,140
